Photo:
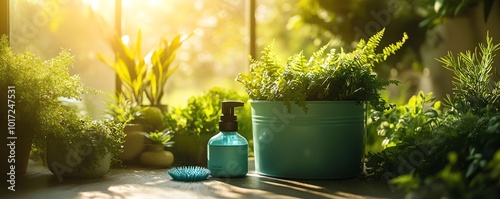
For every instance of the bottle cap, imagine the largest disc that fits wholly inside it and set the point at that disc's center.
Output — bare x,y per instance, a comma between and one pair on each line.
228,121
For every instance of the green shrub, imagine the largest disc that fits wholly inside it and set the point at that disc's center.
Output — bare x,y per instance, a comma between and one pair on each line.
336,76
202,114
453,153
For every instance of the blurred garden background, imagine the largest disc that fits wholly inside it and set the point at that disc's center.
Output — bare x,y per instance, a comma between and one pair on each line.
219,47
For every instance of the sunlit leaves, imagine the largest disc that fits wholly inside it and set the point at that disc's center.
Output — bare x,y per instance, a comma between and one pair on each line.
411,119
101,137
162,137
39,85
336,76
161,68
144,76
129,66
202,113
467,134
473,88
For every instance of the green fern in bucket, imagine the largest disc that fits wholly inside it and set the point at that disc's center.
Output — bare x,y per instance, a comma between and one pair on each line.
325,76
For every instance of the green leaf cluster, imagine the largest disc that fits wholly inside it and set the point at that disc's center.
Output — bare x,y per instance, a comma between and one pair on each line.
143,76
202,114
39,84
94,139
162,138
325,76
130,67
160,70
458,147
405,129
415,119
120,109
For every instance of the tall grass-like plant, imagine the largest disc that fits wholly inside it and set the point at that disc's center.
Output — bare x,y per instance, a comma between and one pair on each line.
130,67
161,68
143,76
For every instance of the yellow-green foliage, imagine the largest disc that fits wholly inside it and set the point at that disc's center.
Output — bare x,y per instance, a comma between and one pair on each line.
159,137
202,114
467,133
338,76
143,76
95,138
38,86
474,89
130,67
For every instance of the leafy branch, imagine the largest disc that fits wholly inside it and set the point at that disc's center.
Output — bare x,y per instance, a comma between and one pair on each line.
473,87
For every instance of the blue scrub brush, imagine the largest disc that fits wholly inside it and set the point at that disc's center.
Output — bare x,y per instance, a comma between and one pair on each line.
189,173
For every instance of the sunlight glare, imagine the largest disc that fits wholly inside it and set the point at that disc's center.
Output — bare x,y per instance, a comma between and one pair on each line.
127,3
94,4
125,39
155,3
198,5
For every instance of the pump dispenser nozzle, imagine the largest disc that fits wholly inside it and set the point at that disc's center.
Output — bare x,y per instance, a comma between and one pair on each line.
228,121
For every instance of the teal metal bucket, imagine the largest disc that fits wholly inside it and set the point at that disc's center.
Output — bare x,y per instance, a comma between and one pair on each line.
325,143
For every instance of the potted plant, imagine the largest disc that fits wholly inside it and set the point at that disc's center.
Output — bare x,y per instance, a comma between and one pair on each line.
156,156
143,75
308,115
123,111
139,120
32,86
82,147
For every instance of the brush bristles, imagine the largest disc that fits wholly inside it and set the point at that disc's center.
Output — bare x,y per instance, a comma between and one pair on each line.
189,173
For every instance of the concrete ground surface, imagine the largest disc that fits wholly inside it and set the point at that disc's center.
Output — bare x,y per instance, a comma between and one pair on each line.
137,182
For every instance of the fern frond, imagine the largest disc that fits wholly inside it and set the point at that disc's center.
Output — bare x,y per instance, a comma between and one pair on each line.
338,75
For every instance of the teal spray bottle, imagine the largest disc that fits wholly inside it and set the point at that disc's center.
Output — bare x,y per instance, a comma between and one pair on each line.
228,150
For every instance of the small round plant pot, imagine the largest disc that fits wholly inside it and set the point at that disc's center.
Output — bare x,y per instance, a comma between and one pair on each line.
327,142
156,157
134,142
